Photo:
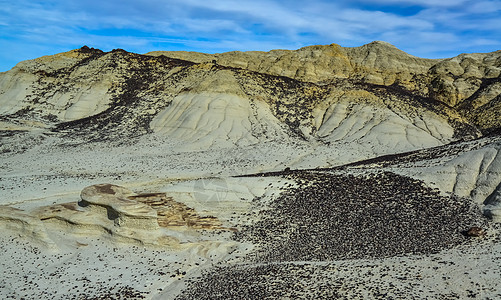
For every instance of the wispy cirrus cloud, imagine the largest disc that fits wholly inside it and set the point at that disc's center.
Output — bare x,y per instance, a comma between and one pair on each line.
423,3
427,28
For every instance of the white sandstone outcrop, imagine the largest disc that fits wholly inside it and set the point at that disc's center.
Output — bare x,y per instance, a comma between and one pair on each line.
111,211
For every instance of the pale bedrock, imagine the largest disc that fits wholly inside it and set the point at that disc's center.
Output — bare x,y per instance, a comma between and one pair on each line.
37,85
111,211
358,116
216,119
124,212
493,205
14,220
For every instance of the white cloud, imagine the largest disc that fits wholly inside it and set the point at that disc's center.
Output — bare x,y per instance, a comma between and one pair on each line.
428,27
423,3
484,7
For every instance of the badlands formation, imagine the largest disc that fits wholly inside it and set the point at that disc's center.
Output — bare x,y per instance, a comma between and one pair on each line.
325,172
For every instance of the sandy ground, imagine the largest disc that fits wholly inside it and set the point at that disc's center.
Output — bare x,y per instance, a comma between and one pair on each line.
210,264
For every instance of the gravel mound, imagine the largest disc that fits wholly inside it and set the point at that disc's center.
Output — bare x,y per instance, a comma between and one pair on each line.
333,217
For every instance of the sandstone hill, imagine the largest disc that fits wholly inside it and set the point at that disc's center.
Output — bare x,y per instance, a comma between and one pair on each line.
323,167
300,89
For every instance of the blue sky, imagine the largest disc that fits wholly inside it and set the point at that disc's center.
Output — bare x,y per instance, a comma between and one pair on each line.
425,28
